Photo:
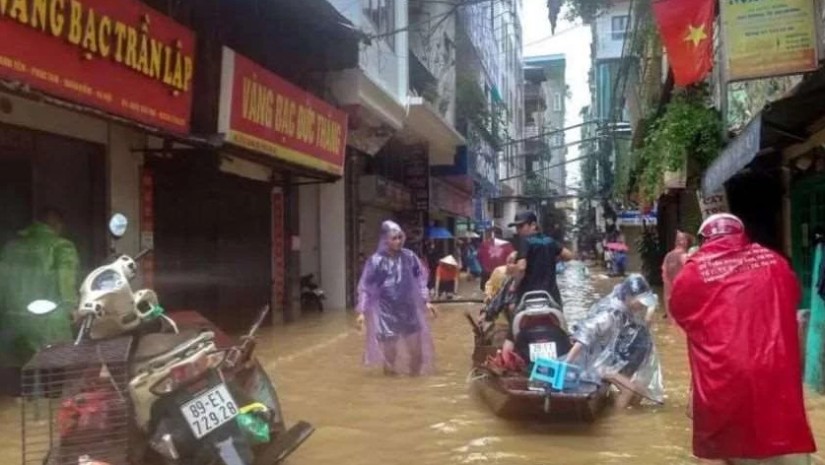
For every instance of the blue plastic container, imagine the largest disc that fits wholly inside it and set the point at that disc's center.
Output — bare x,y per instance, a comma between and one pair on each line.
558,375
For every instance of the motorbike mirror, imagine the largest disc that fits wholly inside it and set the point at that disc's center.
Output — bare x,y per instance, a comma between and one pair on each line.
41,307
118,225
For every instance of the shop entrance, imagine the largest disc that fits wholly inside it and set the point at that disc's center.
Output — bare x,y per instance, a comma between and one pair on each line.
39,170
212,240
807,212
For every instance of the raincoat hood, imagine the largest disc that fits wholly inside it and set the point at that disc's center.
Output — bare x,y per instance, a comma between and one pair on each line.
737,303
390,229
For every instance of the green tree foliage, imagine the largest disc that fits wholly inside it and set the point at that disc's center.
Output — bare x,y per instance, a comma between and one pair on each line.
690,130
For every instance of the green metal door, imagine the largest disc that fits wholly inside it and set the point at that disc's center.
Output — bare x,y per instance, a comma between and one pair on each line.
807,212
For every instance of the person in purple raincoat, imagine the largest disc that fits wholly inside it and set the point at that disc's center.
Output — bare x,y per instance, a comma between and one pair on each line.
393,304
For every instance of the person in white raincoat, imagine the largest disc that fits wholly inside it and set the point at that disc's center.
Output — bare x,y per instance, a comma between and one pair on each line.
615,342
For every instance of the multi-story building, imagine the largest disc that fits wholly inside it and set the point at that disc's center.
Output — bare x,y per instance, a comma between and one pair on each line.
489,107
612,64
508,17
606,130
544,136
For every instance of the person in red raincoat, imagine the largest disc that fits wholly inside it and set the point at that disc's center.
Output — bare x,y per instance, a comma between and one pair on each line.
737,302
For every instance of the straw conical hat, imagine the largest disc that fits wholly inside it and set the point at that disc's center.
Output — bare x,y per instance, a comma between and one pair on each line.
449,260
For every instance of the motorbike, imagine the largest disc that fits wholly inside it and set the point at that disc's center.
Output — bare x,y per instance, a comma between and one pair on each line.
134,387
312,296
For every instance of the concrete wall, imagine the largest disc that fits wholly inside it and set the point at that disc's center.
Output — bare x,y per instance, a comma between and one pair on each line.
632,235
309,197
124,182
333,243
509,210
606,46
433,42
385,65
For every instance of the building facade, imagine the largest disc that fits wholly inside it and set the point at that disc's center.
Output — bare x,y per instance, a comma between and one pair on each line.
544,135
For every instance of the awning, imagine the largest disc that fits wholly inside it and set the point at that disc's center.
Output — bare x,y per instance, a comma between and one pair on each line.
741,151
781,124
424,123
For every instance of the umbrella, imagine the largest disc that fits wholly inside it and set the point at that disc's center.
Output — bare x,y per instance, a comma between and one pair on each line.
471,235
439,233
617,246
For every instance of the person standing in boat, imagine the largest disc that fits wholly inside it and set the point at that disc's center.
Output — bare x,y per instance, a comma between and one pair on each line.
537,256
393,305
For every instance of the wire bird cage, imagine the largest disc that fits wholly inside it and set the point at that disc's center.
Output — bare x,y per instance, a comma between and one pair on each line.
76,406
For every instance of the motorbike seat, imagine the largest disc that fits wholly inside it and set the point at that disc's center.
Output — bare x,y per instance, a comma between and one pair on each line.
156,344
540,323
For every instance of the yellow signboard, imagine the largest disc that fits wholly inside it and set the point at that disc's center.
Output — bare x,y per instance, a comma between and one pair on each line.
768,37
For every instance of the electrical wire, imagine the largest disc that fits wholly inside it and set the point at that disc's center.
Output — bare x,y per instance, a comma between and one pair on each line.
455,7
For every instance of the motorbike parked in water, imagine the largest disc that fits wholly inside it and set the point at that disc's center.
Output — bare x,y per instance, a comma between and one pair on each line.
136,388
312,296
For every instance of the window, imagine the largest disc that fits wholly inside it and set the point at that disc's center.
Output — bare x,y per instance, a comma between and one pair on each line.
498,210
619,27
382,15
557,102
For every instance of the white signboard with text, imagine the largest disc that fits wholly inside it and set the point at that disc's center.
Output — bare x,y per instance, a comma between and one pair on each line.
714,203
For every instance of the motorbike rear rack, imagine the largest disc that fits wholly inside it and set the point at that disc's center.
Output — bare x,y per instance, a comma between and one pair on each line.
75,403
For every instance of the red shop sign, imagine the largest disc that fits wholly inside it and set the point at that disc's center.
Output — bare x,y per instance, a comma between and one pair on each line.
265,113
119,56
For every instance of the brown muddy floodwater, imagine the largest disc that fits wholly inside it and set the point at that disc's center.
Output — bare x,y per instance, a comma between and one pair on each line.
364,418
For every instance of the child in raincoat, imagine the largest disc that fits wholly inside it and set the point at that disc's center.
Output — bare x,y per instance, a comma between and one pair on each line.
393,306
616,343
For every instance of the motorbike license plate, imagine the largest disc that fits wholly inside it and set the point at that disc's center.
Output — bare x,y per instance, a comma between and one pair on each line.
545,350
209,410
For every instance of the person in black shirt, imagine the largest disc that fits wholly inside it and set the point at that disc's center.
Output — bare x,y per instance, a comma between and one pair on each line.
537,257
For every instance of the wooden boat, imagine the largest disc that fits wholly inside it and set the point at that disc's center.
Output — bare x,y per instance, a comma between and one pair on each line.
510,397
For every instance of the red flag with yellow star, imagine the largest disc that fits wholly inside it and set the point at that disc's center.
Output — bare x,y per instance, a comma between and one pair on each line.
686,27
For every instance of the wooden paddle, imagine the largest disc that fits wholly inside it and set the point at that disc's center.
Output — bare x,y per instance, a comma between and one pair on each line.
623,382
477,330
457,301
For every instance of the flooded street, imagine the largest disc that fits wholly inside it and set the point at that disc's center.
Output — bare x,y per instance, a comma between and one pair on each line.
365,419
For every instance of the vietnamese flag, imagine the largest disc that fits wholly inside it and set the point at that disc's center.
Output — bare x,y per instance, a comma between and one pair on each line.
686,27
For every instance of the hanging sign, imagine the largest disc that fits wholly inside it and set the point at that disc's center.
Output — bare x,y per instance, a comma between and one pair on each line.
119,56
265,113
766,38
711,204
